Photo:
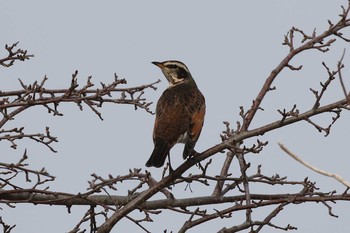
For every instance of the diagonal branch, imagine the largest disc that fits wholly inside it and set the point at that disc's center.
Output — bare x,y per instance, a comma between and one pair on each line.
312,42
315,169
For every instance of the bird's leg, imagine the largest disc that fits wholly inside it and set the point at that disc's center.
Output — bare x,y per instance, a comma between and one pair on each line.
171,170
194,154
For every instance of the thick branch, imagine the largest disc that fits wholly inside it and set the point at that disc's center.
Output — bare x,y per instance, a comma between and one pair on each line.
65,199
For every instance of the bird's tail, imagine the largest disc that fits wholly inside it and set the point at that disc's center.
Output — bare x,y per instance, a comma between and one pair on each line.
159,154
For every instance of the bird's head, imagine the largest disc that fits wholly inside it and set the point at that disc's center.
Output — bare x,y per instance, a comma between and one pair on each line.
175,72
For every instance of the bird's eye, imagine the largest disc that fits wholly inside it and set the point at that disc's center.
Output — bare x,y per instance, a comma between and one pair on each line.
182,72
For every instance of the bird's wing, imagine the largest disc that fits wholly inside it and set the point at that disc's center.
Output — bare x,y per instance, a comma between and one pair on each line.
196,124
171,120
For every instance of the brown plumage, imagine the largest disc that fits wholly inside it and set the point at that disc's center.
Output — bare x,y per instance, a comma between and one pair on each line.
179,114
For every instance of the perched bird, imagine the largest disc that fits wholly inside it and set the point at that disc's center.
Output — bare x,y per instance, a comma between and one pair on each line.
179,113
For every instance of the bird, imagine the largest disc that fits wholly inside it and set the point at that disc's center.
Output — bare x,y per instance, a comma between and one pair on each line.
180,113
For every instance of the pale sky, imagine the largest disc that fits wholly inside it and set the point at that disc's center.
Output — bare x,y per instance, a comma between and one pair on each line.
230,48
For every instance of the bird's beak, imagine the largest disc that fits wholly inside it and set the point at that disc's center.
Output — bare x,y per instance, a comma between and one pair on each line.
159,64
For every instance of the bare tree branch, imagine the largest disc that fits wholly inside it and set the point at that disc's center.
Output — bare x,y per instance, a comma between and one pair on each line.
340,66
20,183
335,176
18,55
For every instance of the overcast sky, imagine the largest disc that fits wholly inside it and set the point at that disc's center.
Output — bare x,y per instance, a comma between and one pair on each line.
230,48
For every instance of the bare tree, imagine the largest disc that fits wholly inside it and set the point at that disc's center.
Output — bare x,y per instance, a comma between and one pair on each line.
113,207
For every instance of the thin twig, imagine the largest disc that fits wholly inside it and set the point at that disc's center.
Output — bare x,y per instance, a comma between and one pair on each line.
335,176
340,66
